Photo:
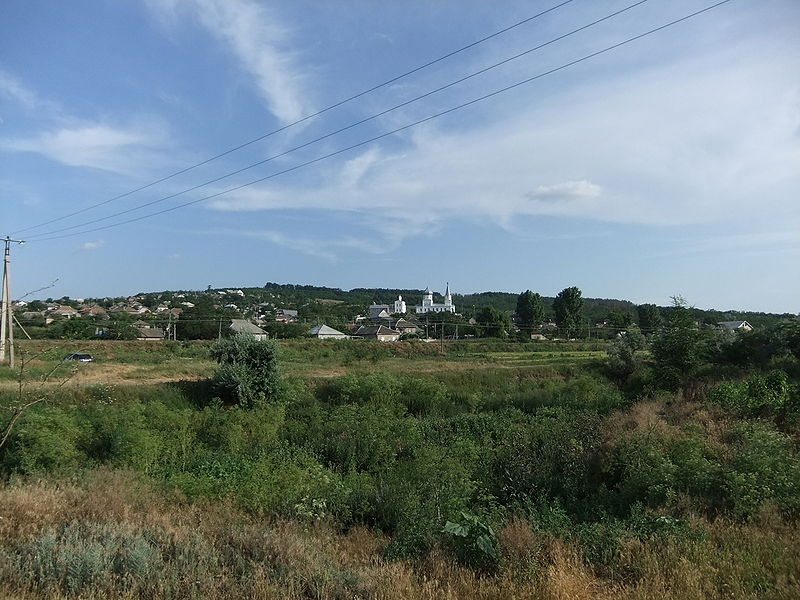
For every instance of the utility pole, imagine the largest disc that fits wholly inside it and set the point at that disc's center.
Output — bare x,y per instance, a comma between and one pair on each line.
7,322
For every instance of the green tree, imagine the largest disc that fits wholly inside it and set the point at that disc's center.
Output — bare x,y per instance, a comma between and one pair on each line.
493,322
530,310
679,347
619,320
204,320
622,359
649,317
568,306
248,370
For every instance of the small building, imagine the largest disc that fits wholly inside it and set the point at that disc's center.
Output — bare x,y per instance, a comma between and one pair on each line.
740,326
246,327
405,327
538,337
65,311
94,311
323,332
377,332
380,311
285,315
149,333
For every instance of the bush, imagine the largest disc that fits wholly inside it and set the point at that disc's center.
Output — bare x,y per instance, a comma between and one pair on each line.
474,541
45,440
758,396
248,372
763,468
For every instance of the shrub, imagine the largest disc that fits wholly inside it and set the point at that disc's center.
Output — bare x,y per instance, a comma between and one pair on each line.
763,468
248,372
44,441
552,455
646,474
474,541
758,395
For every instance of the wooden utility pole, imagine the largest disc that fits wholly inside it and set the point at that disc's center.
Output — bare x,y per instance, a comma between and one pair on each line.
7,321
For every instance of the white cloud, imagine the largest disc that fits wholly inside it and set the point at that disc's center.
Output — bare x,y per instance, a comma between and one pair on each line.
125,150
93,245
259,42
319,247
700,140
14,89
568,190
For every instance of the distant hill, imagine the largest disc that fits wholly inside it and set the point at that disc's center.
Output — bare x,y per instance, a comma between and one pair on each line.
338,305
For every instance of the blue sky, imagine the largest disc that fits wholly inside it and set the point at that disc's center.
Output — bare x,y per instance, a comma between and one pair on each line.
670,165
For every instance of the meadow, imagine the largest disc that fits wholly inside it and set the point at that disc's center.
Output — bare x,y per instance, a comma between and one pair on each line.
474,469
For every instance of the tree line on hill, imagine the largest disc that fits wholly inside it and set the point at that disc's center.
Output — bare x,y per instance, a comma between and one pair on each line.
485,314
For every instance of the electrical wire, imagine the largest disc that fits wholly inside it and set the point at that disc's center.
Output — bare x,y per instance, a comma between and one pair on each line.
399,129
306,118
342,129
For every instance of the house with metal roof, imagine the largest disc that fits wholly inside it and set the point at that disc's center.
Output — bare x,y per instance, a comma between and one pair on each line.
323,332
377,332
248,328
735,325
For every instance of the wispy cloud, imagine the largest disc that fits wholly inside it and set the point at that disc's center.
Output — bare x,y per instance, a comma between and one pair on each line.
565,191
254,35
724,135
320,247
125,150
15,90
93,245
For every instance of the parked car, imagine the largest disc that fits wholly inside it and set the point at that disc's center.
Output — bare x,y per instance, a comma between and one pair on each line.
79,356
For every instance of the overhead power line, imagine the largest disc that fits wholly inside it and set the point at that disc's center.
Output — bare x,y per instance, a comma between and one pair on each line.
345,128
304,119
398,129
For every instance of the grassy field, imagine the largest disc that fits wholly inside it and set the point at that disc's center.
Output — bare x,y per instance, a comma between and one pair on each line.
475,469
123,362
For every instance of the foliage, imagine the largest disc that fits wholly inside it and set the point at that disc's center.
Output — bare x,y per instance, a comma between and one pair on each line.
678,348
530,310
248,372
760,395
622,359
475,541
493,322
568,307
496,467
649,317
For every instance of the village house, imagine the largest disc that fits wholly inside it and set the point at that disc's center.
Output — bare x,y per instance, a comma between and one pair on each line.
66,312
740,326
94,311
377,332
285,315
323,332
405,327
149,334
245,326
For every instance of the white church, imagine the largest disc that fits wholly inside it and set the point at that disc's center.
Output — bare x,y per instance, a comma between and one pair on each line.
429,306
377,311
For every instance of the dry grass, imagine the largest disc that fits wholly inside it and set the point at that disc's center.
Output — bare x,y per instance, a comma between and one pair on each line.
218,551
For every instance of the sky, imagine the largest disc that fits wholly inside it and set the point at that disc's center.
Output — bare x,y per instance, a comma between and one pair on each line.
669,165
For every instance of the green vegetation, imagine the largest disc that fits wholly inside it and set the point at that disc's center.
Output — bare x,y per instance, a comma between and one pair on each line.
650,466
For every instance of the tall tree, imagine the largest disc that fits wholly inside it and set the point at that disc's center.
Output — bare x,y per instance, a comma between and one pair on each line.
493,322
679,349
649,317
568,306
525,309
530,310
